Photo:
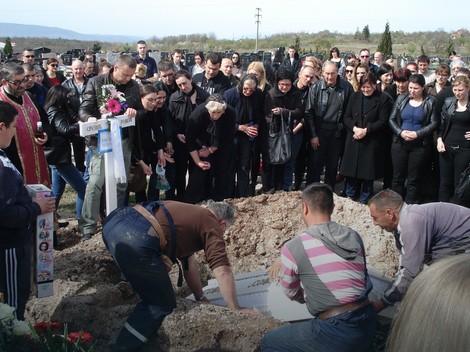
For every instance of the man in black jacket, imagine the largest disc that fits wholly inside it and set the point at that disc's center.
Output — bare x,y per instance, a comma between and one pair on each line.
293,60
212,80
76,86
325,107
121,77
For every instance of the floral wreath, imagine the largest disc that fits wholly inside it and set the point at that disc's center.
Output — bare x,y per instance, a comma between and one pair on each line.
112,101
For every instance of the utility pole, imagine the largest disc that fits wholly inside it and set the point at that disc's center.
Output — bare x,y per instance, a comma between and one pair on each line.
257,16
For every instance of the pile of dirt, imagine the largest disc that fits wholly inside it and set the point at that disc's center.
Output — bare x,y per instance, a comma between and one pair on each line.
89,293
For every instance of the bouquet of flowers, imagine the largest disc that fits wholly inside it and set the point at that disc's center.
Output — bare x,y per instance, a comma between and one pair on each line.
112,102
51,337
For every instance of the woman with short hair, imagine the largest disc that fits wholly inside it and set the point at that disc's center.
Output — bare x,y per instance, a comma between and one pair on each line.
209,135
366,120
54,76
385,76
284,101
441,82
237,69
247,100
199,63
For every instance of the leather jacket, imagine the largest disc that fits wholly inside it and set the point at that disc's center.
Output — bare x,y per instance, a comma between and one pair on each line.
430,121
317,102
448,110
75,95
63,128
90,106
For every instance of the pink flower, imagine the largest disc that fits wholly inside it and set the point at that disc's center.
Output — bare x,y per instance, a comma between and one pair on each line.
113,106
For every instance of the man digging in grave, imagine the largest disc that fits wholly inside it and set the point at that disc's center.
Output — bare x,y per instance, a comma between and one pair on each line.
142,240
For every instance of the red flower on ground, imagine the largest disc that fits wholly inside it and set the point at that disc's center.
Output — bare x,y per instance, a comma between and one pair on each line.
113,106
41,327
85,337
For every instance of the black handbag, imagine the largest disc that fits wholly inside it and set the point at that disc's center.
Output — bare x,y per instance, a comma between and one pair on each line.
137,181
279,141
462,191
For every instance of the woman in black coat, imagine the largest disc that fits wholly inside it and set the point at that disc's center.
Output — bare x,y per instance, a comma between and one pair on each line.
248,101
182,104
284,101
58,151
210,131
152,134
366,120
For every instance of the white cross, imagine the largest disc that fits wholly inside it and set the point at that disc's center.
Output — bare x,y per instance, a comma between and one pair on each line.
93,127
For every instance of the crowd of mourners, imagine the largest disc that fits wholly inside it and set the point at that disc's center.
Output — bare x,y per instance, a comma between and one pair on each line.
207,132
211,126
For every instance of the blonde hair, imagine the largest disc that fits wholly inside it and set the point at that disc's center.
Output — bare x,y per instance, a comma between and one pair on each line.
434,315
141,70
314,62
258,67
461,80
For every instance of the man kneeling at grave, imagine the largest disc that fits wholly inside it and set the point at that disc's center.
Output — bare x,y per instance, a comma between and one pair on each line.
142,240
325,268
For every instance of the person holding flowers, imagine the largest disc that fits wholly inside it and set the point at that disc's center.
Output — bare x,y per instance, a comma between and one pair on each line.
112,93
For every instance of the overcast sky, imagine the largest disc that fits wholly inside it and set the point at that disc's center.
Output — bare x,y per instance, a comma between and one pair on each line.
236,19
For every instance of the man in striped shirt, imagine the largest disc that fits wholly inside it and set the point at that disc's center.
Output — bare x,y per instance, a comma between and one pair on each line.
325,268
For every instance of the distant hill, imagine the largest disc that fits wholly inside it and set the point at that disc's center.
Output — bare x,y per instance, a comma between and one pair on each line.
23,30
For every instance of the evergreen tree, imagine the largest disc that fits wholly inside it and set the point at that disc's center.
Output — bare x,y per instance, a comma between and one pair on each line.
297,44
385,45
358,34
422,50
96,47
8,49
126,48
366,34
450,47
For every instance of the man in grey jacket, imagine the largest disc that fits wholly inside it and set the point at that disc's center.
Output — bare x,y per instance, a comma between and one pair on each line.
423,233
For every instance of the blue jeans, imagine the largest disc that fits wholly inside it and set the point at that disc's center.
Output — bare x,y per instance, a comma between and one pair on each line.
68,173
347,332
360,189
138,256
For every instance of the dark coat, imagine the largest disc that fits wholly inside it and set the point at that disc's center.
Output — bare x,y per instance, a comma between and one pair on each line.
63,128
47,82
430,122
295,66
180,108
317,103
219,84
363,159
